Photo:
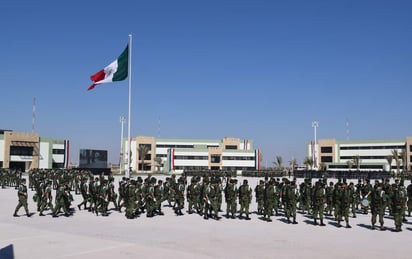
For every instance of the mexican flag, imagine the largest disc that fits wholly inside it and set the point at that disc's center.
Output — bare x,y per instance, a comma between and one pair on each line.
116,71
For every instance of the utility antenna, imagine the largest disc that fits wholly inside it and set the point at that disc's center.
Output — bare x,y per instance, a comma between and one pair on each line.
33,115
347,129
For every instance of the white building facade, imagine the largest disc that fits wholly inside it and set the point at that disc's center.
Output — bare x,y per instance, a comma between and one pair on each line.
376,155
177,155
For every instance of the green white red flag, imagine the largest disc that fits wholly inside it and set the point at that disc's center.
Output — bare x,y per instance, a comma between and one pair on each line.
116,71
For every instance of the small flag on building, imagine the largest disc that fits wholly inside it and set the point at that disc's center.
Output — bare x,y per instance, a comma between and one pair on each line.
116,71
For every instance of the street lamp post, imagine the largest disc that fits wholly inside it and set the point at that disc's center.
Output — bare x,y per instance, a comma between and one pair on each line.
122,121
315,124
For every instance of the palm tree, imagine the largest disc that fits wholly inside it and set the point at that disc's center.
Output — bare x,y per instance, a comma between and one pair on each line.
402,156
143,151
293,164
158,162
395,154
389,159
278,162
349,163
323,166
308,162
356,161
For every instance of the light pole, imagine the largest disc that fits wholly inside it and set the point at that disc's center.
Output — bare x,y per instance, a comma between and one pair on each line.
122,121
315,124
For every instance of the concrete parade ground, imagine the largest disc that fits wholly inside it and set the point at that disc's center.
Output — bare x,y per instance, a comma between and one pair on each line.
85,235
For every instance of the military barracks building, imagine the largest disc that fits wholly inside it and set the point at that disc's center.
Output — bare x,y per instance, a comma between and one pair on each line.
372,153
30,151
177,155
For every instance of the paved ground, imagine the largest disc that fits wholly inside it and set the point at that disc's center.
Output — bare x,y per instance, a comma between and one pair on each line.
84,235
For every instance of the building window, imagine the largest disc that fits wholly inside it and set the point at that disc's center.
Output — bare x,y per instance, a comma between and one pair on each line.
410,148
58,165
231,147
192,157
21,151
58,151
326,159
326,150
215,158
149,146
238,158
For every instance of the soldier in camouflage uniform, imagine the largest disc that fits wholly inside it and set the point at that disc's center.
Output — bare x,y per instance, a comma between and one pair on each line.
409,193
231,197
245,197
112,195
129,196
159,193
318,202
291,197
47,198
22,195
344,204
84,190
180,197
378,201
62,199
397,206
260,197
329,199
269,200
191,195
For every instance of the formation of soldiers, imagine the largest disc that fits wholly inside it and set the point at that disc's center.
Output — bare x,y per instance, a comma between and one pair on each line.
274,197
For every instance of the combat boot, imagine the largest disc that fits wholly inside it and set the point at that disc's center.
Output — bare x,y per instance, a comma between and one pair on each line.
321,223
316,222
347,225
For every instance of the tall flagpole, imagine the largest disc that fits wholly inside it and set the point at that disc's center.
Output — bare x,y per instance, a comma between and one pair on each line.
130,100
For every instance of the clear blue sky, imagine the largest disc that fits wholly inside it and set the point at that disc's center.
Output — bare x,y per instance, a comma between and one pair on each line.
259,70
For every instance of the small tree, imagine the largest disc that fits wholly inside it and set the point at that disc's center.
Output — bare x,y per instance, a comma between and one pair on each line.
395,155
278,163
356,162
308,162
293,164
389,159
349,163
143,151
158,162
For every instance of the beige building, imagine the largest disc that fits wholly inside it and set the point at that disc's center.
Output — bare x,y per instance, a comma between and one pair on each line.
29,151
372,154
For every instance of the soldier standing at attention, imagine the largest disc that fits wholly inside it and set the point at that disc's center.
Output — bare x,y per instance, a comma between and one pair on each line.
260,197
159,195
378,201
318,202
291,197
397,206
245,197
231,196
344,204
409,192
22,195
269,200
329,199
206,198
353,199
